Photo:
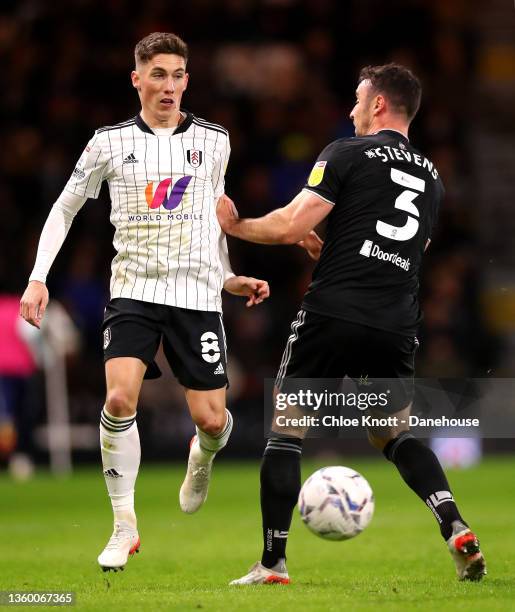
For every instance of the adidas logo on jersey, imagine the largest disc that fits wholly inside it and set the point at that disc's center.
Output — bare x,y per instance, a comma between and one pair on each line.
219,369
130,159
112,473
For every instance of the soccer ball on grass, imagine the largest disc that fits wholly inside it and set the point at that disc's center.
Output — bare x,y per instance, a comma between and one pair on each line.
336,503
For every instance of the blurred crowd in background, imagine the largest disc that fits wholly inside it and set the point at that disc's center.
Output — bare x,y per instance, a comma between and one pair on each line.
280,75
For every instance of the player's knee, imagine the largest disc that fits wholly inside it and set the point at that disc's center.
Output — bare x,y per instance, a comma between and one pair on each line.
381,439
119,403
211,423
378,442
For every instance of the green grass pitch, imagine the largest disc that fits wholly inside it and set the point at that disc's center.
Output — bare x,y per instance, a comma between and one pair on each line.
52,530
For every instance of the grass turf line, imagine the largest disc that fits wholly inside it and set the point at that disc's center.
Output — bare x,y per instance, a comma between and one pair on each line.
52,530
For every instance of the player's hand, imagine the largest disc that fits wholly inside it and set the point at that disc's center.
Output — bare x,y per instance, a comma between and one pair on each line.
313,245
226,212
34,302
255,289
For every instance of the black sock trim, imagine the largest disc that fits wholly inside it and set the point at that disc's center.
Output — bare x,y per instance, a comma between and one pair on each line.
117,426
285,445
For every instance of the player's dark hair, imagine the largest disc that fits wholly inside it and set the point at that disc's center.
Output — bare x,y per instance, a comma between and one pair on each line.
398,84
160,42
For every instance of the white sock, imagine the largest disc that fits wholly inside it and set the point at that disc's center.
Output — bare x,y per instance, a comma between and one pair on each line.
121,453
210,445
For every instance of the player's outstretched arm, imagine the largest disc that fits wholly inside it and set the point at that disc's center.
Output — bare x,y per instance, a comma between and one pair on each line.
255,289
34,302
286,225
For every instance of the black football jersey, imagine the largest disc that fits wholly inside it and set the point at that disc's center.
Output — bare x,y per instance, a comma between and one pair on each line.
386,197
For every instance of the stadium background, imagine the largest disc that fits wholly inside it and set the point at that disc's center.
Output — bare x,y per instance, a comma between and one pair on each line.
280,76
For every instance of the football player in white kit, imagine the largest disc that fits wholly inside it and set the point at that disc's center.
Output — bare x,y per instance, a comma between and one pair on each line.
165,171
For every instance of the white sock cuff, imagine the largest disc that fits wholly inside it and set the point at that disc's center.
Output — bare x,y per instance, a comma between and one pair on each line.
226,431
215,443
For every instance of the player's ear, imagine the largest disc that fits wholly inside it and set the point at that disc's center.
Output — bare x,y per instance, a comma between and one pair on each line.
186,80
379,104
135,80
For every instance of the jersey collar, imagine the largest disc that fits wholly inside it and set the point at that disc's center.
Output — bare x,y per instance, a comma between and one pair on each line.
391,130
178,130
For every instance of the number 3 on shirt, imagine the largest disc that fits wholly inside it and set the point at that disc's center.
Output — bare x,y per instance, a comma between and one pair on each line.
403,202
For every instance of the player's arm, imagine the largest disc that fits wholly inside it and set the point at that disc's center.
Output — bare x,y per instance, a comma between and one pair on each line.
437,205
35,298
295,222
84,183
287,225
255,289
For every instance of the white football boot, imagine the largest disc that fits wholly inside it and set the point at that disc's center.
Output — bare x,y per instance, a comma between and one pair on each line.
464,548
124,542
194,489
259,574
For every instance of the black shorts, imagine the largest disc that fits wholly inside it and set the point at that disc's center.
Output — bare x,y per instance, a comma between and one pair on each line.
193,340
331,348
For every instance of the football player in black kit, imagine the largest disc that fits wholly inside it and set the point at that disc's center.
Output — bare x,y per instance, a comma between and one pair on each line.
361,311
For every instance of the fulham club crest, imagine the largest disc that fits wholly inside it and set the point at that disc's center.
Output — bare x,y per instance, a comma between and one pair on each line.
194,157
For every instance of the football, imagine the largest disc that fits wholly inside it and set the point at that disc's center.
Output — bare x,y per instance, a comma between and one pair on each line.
336,503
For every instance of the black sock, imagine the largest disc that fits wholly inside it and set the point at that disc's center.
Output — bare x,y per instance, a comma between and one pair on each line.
280,487
422,472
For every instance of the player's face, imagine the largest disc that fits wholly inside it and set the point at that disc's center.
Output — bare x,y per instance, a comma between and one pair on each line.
160,84
362,114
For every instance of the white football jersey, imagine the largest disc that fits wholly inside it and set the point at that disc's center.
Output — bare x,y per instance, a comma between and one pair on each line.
164,189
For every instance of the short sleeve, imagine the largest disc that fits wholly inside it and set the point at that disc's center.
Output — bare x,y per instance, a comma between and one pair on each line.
329,172
220,168
89,172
